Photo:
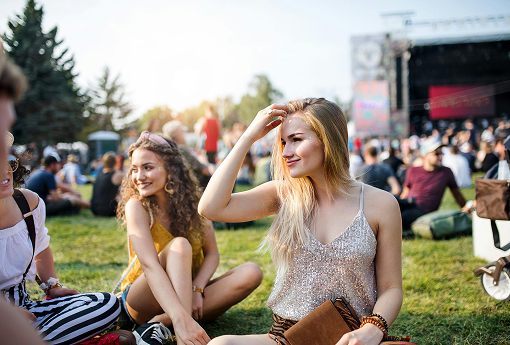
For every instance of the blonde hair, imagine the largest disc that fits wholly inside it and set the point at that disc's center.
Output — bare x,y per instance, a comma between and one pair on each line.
297,195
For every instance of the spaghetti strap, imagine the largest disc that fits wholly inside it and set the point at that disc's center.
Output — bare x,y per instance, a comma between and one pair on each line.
361,196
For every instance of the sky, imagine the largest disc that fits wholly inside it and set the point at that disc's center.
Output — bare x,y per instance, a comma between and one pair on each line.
179,53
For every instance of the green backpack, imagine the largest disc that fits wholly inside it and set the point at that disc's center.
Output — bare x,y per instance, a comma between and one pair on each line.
442,224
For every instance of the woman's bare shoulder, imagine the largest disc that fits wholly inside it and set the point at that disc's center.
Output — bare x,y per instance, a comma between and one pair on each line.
376,198
32,198
380,207
134,205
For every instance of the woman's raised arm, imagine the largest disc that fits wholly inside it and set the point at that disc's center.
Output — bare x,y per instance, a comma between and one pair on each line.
218,203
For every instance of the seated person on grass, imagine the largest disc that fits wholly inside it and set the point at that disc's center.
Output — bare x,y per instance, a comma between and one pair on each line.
331,236
43,183
106,187
66,317
172,250
71,172
426,184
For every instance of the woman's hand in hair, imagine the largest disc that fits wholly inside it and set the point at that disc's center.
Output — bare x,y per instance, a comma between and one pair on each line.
61,292
262,123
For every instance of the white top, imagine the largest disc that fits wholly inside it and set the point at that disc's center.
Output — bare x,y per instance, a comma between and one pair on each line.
460,168
16,248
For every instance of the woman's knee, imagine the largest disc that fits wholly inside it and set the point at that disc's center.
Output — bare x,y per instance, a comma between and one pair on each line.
250,276
223,340
179,246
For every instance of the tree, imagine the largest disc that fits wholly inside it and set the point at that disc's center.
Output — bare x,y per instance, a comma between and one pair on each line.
262,93
107,108
154,119
52,108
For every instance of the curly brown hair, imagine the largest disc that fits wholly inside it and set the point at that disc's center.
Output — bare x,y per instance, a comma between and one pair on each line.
183,197
18,177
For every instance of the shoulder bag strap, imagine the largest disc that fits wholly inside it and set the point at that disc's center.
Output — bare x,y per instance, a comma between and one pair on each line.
29,220
495,237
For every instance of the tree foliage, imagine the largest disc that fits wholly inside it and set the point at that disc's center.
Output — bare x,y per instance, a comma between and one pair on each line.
107,107
261,94
52,108
154,119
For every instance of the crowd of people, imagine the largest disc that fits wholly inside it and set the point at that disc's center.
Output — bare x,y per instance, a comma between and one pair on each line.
168,194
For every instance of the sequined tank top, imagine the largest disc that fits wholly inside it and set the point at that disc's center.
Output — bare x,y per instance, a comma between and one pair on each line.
318,272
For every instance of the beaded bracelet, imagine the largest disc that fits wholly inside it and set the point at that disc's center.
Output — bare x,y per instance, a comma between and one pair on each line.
376,322
380,318
197,289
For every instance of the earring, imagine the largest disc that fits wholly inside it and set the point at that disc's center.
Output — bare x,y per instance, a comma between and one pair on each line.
169,190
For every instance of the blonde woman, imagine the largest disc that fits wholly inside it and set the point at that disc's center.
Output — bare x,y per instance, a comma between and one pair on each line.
173,250
330,235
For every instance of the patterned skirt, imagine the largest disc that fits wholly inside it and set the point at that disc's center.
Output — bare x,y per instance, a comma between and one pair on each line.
280,325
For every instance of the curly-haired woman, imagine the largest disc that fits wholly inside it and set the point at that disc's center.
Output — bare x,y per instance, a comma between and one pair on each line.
172,249
66,317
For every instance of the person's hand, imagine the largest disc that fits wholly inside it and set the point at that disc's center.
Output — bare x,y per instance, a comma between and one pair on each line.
367,335
61,292
198,304
190,331
27,315
261,124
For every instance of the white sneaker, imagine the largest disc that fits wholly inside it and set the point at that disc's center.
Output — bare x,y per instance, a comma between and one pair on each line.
152,333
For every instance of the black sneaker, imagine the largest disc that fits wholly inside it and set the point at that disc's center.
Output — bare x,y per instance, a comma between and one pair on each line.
152,333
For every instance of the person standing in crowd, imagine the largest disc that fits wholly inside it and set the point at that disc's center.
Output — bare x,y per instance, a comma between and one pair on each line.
172,250
426,184
459,166
210,125
71,172
106,187
347,232
375,174
43,183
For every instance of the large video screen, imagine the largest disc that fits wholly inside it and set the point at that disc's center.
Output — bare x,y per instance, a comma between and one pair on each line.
461,101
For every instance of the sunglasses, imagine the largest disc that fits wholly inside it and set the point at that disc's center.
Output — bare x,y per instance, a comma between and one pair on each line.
438,153
12,164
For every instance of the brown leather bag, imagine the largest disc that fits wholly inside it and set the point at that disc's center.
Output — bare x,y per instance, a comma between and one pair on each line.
492,199
324,325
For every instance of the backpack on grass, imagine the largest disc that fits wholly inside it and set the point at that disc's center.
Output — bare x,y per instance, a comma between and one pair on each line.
442,224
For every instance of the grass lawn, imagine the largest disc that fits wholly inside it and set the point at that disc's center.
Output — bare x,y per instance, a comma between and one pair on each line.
443,301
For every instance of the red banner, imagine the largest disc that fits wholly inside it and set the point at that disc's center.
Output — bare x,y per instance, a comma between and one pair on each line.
454,101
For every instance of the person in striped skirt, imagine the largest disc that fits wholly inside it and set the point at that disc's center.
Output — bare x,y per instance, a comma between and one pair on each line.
65,317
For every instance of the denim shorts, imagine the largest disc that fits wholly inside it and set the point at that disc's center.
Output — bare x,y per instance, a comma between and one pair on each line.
125,320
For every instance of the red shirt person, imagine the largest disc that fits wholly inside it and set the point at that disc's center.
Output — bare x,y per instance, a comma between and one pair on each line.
211,127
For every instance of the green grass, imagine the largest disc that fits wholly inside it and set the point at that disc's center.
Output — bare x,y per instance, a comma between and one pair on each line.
443,302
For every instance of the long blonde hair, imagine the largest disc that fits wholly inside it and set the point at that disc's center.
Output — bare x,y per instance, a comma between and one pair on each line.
297,195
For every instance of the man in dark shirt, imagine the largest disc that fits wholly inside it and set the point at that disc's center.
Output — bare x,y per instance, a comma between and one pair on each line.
43,183
426,184
377,175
